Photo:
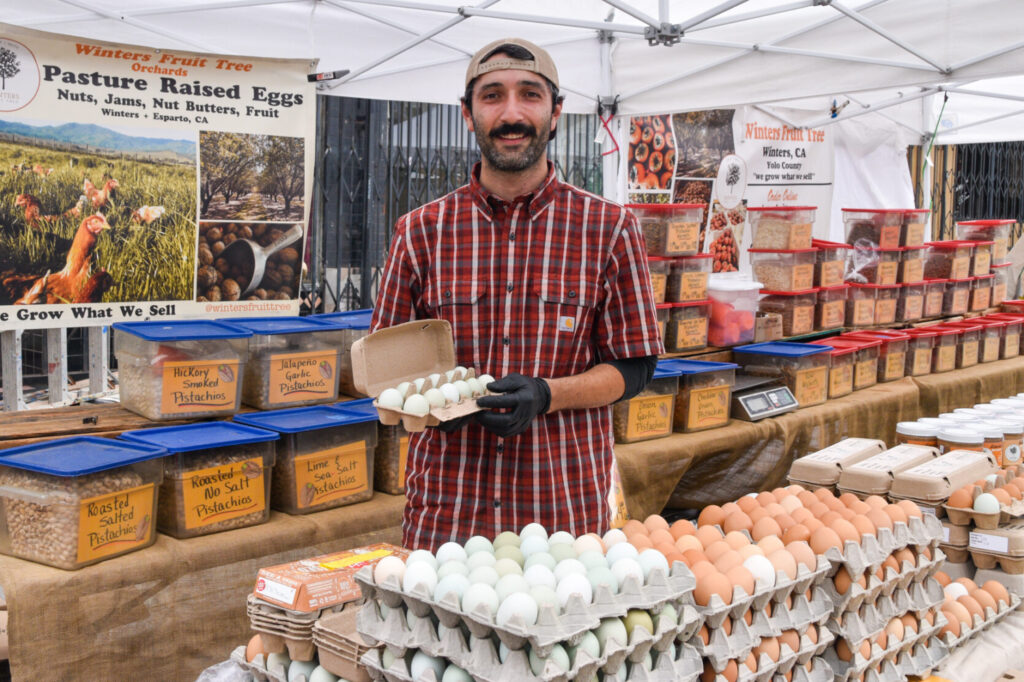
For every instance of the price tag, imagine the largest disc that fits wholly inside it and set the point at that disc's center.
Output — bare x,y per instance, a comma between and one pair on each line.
864,312
331,474
889,237
912,307
115,523
989,543
894,365
708,407
800,236
682,236
197,386
913,270
840,381
651,416
693,286
885,310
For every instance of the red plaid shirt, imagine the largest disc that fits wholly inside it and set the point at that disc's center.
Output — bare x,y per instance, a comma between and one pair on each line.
547,285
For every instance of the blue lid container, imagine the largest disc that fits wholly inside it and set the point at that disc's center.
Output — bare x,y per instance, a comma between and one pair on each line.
803,367
355,324
78,455
783,349
350,319
302,419
284,325
200,436
182,330
688,367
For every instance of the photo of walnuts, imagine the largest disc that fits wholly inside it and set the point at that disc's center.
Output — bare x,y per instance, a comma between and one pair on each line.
219,280
652,153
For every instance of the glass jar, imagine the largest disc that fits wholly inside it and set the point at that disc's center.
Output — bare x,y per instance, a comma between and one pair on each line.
948,260
781,227
957,296
872,266
885,304
996,231
795,307
934,295
914,433
688,278
669,229
911,264
1013,438
658,267
873,228
687,327
830,263
910,306
830,312
981,292
860,305
1001,284
915,222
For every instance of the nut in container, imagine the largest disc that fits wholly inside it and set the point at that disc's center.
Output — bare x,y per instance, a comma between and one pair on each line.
355,324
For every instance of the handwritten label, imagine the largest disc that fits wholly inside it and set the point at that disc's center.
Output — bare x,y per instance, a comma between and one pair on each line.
895,364
912,307
682,236
708,407
922,361
885,310
945,358
980,297
840,380
658,282
914,234
1011,345
958,301
990,349
116,522
800,236
831,273
331,474
811,386
913,270
889,236
298,377
960,268
999,250
803,276
224,492
803,320
865,373
933,302
863,312
650,416
693,286
886,272
692,333
197,386
982,262
990,543
998,293
968,353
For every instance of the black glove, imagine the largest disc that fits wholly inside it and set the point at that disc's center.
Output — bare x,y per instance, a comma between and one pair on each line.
454,424
523,397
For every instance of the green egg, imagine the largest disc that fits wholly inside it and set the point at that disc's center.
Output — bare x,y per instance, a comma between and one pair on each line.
562,551
558,656
509,552
638,618
506,538
611,630
542,558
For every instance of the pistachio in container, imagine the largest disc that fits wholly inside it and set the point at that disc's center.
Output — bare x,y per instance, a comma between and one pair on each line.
216,476
76,501
392,453
323,459
293,361
180,369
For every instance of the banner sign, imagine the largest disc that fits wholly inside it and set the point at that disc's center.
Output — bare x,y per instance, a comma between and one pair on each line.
140,183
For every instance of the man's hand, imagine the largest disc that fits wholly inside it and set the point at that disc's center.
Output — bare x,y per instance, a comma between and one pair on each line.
523,397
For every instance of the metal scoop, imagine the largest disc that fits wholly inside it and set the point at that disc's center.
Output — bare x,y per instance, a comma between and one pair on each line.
252,257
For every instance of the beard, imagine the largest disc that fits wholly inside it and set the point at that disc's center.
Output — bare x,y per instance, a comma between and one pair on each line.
512,161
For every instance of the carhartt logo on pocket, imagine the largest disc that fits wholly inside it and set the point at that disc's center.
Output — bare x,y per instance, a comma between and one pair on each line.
566,323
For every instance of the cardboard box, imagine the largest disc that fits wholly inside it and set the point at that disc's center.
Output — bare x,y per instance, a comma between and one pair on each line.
320,582
935,480
873,476
824,467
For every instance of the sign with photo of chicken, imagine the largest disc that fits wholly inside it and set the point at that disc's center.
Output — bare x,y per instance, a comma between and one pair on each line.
138,183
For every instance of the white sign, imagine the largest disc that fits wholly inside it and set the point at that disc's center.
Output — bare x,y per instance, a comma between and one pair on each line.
990,543
731,183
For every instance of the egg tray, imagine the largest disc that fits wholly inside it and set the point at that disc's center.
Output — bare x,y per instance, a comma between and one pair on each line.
803,612
846,669
809,649
1007,564
962,516
924,596
804,580
258,668
767,668
923,658
856,626
979,624
820,672
761,624
722,647
414,423
686,668
855,633
956,555
910,573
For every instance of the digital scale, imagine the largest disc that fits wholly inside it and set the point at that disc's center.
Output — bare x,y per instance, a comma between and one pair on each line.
754,398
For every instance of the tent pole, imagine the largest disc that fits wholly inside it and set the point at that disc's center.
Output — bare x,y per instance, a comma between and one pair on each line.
986,57
93,15
979,93
886,116
663,11
872,26
872,109
116,16
554,21
725,21
633,12
710,14
610,161
808,53
393,24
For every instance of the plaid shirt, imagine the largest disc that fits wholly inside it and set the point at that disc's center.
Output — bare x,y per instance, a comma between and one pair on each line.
547,285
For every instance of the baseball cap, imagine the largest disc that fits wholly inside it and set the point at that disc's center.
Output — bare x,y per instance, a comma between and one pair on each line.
541,62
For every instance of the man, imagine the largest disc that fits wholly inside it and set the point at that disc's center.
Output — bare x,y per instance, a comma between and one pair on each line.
546,287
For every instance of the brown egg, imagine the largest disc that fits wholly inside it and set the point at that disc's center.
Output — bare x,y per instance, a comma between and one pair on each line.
728,560
813,524
667,548
713,583
909,622
785,521
880,519
797,533
802,514
783,562
768,610
781,493
848,498
863,525
672,556
807,497
889,563
895,629
803,554
844,652
758,514
860,507
942,578
973,607
633,527
1014,491
736,539
711,515
929,617
736,521
254,648
641,542
952,625
958,611
660,536
747,504
967,583
655,522
880,573
909,508
748,616
985,600
741,578
726,626
692,557
717,549
895,513
812,633
1019,482
702,568
961,498
730,673
843,581
768,646
765,498
830,517
834,504
824,494
708,535
876,502
764,528
770,544
688,542
791,503
824,538
846,531
790,638
1003,496
751,662
905,555
730,508
680,528
925,552
998,592
882,640
704,634
847,513
749,551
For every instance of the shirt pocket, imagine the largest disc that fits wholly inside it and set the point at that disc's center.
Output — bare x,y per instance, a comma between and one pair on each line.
568,307
447,297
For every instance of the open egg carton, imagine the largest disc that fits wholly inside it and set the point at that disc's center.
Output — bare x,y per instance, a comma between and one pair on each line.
552,626
283,630
980,624
818,671
967,516
455,406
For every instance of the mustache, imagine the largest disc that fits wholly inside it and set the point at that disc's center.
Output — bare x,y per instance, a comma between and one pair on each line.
514,129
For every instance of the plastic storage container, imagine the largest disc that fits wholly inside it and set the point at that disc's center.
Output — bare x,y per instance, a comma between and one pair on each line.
920,349
873,228
659,268
1009,347
323,458
73,502
948,260
830,311
795,307
968,344
704,399
670,229
733,304
781,227
687,327
292,361
688,278
663,311
885,304
180,370
216,477
830,263
995,231
860,305
802,367
957,297
981,259
981,292
911,264
873,266
892,354
840,372
992,332
1002,283
355,324
915,222
649,414
910,306
784,270
392,452
865,361
915,433
944,348
934,294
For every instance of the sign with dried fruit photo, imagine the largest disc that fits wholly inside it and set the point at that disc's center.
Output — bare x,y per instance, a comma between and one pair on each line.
138,183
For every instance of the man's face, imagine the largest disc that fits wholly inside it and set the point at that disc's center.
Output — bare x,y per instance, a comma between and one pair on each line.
512,118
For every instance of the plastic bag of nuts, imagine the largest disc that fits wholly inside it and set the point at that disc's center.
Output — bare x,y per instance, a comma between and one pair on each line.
219,280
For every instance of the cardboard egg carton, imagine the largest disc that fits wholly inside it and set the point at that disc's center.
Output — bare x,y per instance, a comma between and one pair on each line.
924,657
856,626
1002,546
820,671
886,672
873,476
257,667
666,669
803,612
406,352
722,647
339,645
967,516
805,579
822,469
930,484
761,625
809,649
286,630
924,596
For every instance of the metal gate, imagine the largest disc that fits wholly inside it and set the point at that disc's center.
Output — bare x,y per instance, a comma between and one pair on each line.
379,160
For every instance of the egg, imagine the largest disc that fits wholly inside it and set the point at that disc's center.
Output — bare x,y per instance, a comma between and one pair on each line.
790,638
544,596
541,559
592,558
587,543
1003,496
389,567
640,542
715,550
486,379
895,630
455,583
416,405
843,581
419,576
769,646
403,388
984,599
770,544
952,625
762,570
998,592
422,662
711,515
453,673
538,574
737,521
506,565
480,596
532,544
627,568
611,631
279,663
517,606
661,536
961,498
589,644
709,535
435,398
742,578
796,533
451,551
958,611
909,623
300,670
463,387
824,539
986,503
623,549
603,576
803,554
652,560
637,618
478,543
942,578
973,607
558,658
254,648
844,652
749,551
484,574
510,552
955,591
764,528
689,542
613,537
730,673
450,393
391,398
418,384
320,674
475,387
510,584
714,583
574,585
728,560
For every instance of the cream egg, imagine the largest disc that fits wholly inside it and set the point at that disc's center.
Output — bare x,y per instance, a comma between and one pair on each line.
986,503
450,375
506,537
504,566
435,397
478,543
480,559
389,567
517,606
279,662
463,388
449,567
475,386
451,394
480,596
533,529
539,574
562,551
561,538
532,544
510,584
416,405
391,398
456,584
762,569
613,537
540,559
486,379
586,543
484,574
592,558
611,630
564,568
955,591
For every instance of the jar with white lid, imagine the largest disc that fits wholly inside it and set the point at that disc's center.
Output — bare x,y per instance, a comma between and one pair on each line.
959,438
933,421
993,410
1013,438
993,438
972,413
915,433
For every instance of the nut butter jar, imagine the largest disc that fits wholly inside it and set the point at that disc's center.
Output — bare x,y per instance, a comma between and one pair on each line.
914,433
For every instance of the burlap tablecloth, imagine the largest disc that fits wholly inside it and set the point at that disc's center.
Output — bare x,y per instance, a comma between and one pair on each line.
966,387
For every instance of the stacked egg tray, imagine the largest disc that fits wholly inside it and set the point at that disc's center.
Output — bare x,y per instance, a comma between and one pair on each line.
338,648
816,669
980,624
477,653
284,630
257,668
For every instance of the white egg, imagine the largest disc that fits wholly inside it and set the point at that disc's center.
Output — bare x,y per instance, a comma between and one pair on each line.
463,388
478,543
762,570
475,386
435,397
461,372
532,545
626,567
485,575
449,374
574,584
540,559
451,394
485,379
435,379
586,543
564,568
419,576
300,668
456,584
517,605
451,551
387,658
602,575
954,590
986,503
587,643
449,567
480,559
480,596
622,549
422,661
279,661
423,555
391,398
533,529
416,405
538,574
544,596
613,537
320,674
510,584
652,559
413,621
418,383
454,673
403,388
592,558
611,632
991,478
558,656
387,567
561,538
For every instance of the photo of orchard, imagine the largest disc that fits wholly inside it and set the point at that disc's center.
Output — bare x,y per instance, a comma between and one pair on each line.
250,177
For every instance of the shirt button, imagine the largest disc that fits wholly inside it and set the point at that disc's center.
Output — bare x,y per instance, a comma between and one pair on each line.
506,341
509,287
572,293
511,236
447,294
497,503
499,447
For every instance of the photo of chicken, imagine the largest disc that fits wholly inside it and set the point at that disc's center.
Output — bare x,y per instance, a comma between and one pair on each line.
147,214
33,210
99,197
39,170
71,283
